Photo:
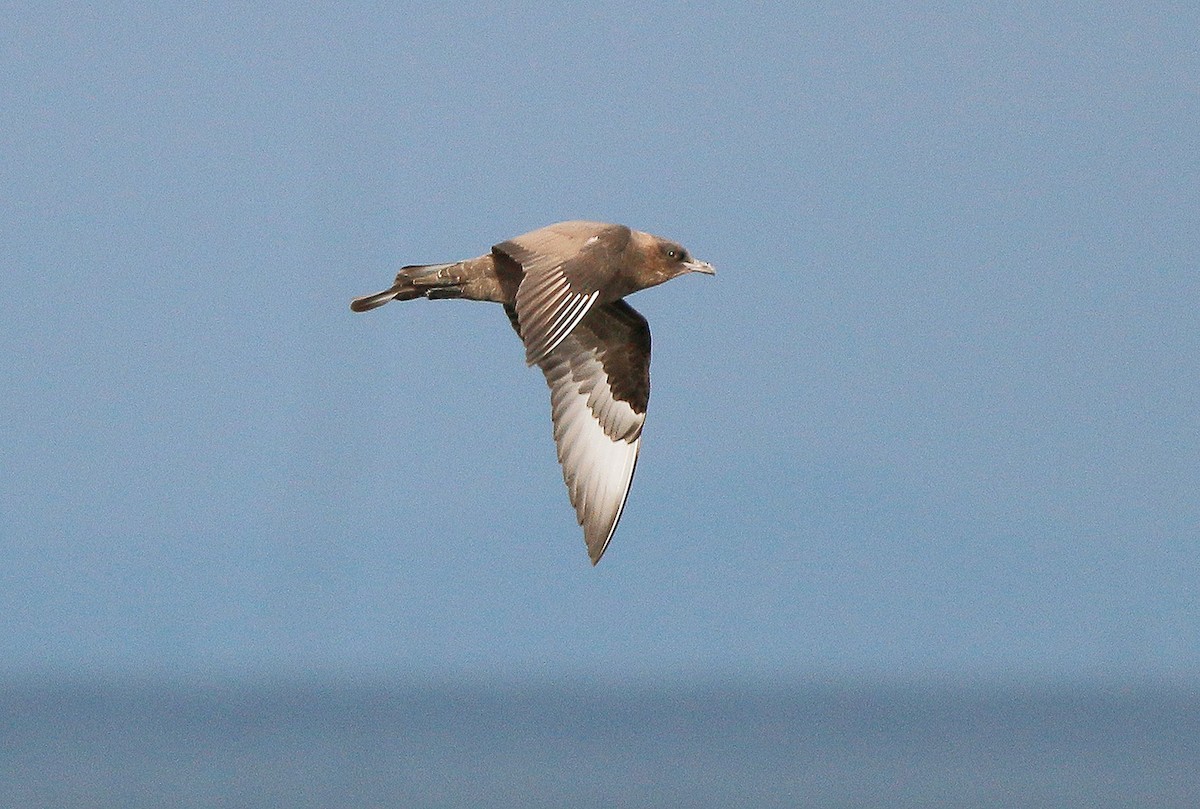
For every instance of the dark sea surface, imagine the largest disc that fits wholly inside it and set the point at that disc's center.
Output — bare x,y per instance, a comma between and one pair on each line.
581,745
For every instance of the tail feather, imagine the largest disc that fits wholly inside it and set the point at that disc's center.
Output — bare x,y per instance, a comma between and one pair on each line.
369,302
414,281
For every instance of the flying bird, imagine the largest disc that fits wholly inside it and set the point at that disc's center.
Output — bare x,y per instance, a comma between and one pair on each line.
562,287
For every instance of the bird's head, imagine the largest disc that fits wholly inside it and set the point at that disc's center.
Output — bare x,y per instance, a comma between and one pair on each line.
671,259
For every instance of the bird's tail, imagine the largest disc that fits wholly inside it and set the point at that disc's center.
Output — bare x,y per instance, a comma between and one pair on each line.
415,281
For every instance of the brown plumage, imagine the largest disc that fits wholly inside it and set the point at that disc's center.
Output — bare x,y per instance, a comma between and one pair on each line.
562,287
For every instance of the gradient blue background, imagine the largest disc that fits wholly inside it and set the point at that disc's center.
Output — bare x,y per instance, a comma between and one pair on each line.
936,417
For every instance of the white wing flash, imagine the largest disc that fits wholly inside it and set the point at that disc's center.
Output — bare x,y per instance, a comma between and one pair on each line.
598,438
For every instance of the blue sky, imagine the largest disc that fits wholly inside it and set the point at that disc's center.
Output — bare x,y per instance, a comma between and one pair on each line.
936,416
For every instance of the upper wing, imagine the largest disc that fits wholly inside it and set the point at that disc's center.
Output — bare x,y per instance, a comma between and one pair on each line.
566,266
599,378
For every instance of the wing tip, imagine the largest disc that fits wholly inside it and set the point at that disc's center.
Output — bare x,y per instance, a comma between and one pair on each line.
596,555
596,549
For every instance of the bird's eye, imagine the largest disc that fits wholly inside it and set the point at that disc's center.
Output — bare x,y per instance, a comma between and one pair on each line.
672,253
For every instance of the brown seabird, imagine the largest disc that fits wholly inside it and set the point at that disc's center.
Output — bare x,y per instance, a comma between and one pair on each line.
562,287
